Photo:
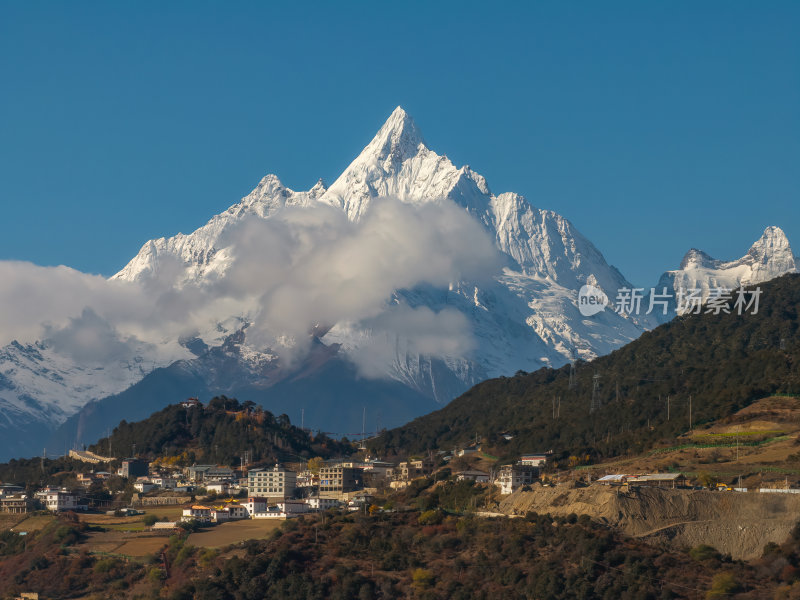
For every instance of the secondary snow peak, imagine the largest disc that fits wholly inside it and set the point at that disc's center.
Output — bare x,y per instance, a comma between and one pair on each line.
772,245
695,258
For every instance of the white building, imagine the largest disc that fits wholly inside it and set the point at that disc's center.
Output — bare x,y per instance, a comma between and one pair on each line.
316,503
512,477
229,512
276,482
283,510
198,512
476,476
57,500
218,488
256,505
144,486
168,483
534,460
293,507
10,490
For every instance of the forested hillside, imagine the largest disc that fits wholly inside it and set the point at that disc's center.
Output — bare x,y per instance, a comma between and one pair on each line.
427,555
218,432
722,361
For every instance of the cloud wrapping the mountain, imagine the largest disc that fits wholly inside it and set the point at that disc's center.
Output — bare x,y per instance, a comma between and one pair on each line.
35,301
301,270
312,268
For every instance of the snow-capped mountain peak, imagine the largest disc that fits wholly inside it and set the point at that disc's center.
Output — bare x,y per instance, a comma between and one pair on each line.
697,259
770,254
524,318
399,139
769,257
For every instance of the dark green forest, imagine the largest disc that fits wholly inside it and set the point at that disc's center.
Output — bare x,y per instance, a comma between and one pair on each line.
218,433
724,362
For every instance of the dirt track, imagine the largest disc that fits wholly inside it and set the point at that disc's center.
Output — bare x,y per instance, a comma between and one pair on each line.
739,524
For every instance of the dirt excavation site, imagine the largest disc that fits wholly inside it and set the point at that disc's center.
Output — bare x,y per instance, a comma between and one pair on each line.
735,523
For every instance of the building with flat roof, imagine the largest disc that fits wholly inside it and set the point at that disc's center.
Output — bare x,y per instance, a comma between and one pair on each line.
196,473
338,479
57,500
669,480
512,477
277,482
134,467
15,505
535,460
472,475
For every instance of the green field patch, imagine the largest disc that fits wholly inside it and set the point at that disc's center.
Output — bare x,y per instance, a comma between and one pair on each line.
734,434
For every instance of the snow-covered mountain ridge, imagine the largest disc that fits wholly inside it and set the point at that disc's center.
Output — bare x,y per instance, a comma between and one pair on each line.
523,317
533,320
770,256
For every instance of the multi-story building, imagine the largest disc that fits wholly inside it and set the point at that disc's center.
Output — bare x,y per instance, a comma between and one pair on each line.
338,479
57,500
198,512
168,483
413,469
379,469
277,482
144,485
86,479
256,505
133,467
307,479
15,504
219,474
10,490
512,477
195,473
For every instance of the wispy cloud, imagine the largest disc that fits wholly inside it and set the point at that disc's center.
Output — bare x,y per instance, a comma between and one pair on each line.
303,269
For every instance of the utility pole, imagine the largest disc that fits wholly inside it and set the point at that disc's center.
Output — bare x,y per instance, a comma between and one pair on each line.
595,395
737,447
571,375
690,412
554,408
572,382
667,407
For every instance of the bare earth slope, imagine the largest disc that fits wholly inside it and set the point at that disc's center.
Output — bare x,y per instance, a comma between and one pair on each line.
739,524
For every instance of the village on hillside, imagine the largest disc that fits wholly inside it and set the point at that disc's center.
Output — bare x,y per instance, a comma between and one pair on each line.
214,493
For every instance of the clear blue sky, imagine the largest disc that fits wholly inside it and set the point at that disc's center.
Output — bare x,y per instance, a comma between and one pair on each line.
653,126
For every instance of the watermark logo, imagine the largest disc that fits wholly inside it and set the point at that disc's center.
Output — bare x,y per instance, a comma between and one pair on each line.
591,300
634,301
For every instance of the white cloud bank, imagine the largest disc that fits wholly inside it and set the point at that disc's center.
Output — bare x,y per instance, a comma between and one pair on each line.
300,270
